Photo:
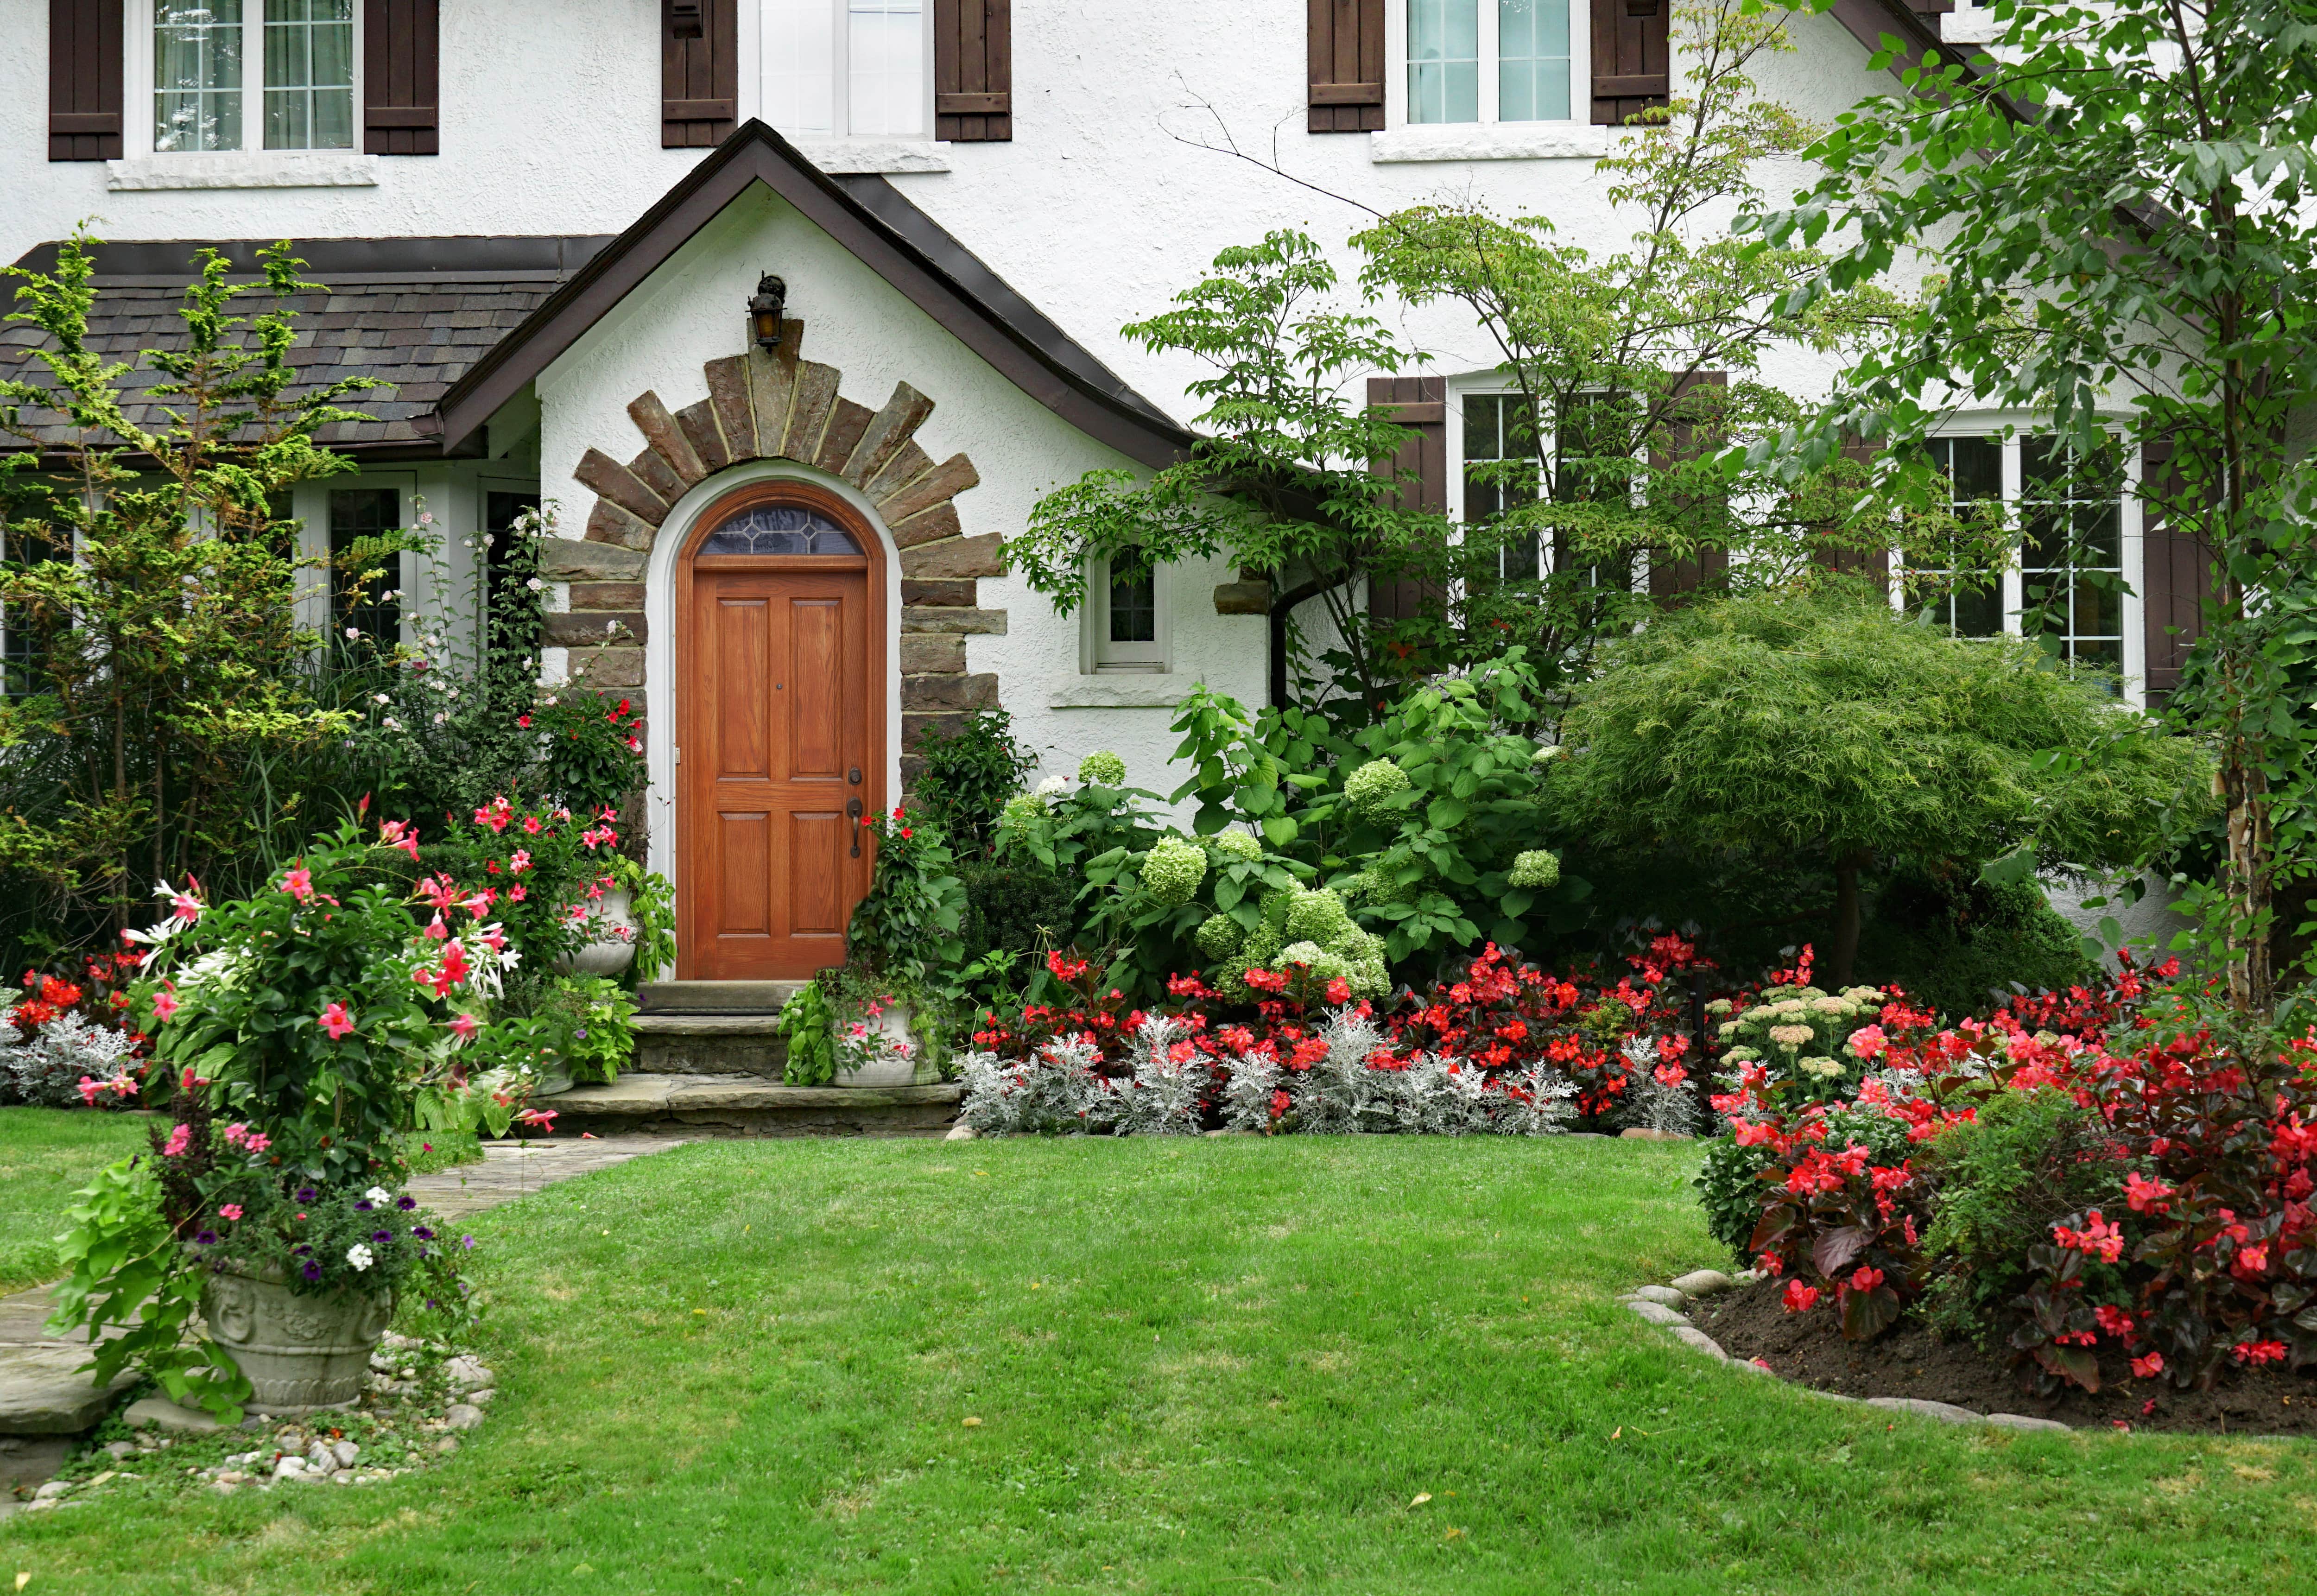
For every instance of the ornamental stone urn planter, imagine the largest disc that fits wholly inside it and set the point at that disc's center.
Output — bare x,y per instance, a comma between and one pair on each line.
916,1069
300,1353
612,955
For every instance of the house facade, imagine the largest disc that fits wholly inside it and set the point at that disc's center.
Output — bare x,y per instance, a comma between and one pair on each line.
553,227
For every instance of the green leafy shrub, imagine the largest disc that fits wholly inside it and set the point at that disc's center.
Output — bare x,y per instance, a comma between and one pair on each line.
2001,1181
807,1025
1955,943
593,1025
966,778
1835,730
906,930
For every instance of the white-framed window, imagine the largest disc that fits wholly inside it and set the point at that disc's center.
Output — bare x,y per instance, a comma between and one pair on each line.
209,76
1486,61
1126,618
2078,547
1492,425
846,68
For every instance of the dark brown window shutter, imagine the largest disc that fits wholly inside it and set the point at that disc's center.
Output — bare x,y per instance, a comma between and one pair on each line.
2176,579
973,70
401,75
699,72
1876,563
1346,65
1692,432
84,68
1421,404
1630,57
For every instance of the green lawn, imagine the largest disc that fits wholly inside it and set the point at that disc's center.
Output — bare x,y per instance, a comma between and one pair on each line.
45,1155
1223,1365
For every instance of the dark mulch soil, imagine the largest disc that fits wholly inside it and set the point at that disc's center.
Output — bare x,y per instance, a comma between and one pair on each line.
1908,1360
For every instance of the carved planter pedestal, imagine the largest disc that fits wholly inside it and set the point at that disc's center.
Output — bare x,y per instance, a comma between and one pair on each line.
300,1353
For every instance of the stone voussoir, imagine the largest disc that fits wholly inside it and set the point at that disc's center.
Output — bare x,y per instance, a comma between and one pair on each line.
892,427
565,559
700,425
945,481
607,523
621,486
665,438
727,392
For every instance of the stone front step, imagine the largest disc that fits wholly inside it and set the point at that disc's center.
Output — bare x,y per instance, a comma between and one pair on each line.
688,1105
715,997
722,1046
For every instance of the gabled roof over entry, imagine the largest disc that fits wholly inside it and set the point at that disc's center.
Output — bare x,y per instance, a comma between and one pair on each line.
892,237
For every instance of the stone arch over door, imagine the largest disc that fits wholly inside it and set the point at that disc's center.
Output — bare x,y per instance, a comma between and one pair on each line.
778,405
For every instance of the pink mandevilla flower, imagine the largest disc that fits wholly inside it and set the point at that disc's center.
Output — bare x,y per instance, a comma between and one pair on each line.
230,1210
298,883
164,1006
179,1140
336,1021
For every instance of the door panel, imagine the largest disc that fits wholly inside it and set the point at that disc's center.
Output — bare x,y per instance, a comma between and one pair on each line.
774,723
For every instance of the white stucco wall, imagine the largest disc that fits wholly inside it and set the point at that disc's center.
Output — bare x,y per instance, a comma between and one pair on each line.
1097,210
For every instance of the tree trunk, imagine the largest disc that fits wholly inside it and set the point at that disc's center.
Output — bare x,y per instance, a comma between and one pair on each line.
1843,955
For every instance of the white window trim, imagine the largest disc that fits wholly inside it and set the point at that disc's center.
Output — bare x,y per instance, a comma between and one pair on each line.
1098,656
840,152
2131,549
1488,139
145,168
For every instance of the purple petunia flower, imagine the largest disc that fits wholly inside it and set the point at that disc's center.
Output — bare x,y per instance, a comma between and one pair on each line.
382,1236
208,1238
468,1242
361,1207
313,1271
300,1251
406,1203
307,1194
422,1233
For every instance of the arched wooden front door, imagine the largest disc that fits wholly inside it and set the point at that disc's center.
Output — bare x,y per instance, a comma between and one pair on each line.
780,732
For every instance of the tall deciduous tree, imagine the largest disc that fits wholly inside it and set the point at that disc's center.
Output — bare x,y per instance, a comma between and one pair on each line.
152,586
2113,201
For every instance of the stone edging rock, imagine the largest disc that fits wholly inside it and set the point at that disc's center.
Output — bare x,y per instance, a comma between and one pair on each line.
1662,1306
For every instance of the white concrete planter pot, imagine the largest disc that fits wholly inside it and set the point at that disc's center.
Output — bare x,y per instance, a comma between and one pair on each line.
300,1353
612,955
916,1069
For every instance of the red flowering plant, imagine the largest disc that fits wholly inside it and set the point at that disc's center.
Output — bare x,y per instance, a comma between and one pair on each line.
1502,1015
2209,1260
542,872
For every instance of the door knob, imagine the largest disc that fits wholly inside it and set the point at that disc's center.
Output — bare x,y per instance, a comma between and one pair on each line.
852,813
853,775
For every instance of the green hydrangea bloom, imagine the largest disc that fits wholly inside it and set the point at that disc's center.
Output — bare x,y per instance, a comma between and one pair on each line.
1173,869
1537,867
1275,906
1219,936
1317,917
1103,768
1022,811
1368,788
1239,845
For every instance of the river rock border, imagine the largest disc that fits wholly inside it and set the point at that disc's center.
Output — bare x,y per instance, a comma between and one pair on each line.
778,406
1662,1305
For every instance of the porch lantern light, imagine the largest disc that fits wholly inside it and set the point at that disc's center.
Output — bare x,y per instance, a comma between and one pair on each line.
765,312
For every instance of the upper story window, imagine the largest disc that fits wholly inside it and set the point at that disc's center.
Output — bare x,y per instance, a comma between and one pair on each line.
1489,61
252,74
846,68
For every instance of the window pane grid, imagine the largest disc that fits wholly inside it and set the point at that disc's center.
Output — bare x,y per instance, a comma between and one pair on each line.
309,74
1133,603
197,75
884,55
369,613
1444,60
1973,467
1495,429
1532,60
2073,551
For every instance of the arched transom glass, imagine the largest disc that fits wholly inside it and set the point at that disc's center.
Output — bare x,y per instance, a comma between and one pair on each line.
779,529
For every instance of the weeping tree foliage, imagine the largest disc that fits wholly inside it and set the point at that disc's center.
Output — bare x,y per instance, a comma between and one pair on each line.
1831,731
151,589
2114,200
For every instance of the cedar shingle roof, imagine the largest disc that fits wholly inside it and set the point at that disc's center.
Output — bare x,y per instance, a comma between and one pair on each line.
414,312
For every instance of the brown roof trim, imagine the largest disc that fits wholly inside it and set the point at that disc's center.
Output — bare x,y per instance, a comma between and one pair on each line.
893,237
169,262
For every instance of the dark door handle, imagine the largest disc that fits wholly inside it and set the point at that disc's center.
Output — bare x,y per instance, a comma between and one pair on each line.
852,813
853,775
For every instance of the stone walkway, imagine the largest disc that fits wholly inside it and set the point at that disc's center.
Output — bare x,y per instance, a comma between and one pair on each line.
44,1404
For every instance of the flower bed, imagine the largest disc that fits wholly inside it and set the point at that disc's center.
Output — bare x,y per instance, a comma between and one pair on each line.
1505,1048
2105,1186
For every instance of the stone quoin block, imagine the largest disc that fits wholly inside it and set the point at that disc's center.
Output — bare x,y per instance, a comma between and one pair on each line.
607,596
607,667
929,653
947,480
563,559
593,628
609,524
954,595
954,557
948,693
927,526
